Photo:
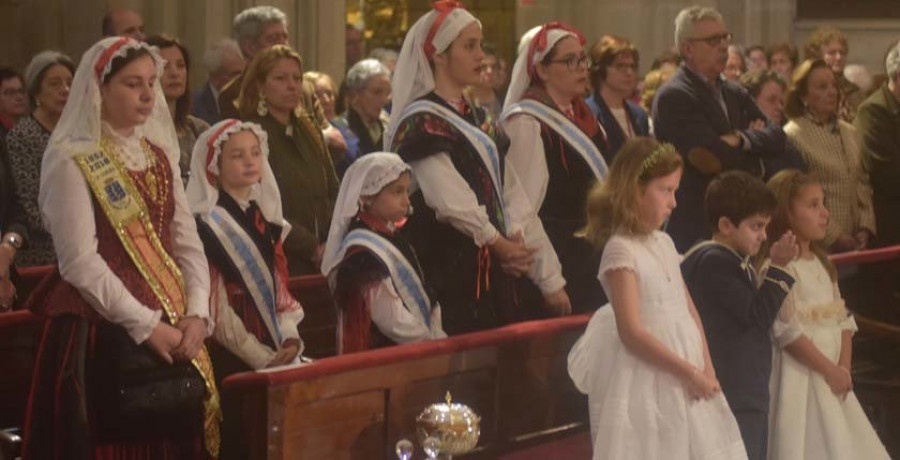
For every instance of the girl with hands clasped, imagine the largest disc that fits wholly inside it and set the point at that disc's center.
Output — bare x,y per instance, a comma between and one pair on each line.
644,363
814,413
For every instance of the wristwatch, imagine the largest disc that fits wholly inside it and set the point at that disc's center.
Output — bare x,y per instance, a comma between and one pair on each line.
13,241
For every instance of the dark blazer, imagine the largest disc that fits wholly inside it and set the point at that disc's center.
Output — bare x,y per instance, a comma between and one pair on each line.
615,136
204,105
687,114
12,213
878,125
737,318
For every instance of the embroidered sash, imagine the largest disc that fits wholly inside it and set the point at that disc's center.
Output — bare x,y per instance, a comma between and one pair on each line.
573,135
483,144
249,262
127,212
403,275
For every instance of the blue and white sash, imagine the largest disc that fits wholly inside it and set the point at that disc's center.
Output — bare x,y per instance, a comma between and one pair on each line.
257,277
403,275
484,144
573,135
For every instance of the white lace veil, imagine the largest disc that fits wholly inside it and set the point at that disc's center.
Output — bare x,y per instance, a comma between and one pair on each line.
203,188
529,56
365,177
79,128
412,76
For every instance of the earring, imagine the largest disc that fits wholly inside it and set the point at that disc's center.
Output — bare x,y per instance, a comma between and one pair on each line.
262,108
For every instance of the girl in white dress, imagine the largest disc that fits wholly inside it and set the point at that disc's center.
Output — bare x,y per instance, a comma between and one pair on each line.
814,414
652,390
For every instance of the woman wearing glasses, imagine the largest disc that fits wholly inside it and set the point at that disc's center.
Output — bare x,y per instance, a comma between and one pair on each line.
614,78
557,147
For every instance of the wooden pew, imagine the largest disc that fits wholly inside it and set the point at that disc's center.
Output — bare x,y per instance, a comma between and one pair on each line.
318,328
357,406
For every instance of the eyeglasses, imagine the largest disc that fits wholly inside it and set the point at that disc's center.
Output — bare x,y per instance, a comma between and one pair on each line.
714,40
573,62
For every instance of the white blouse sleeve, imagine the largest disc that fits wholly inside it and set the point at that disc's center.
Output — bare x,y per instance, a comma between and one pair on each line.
848,323
451,198
392,318
231,333
68,214
188,252
616,256
786,328
546,271
526,156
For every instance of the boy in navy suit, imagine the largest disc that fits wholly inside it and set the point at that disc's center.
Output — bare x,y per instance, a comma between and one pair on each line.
736,309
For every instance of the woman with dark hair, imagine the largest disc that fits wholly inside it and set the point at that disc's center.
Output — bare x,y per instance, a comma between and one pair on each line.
557,146
48,79
830,147
272,96
122,371
175,87
474,229
614,79
782,60
830,45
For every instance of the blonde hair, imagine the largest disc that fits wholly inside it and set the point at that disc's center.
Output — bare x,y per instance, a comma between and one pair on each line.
612,205
786,185
256,74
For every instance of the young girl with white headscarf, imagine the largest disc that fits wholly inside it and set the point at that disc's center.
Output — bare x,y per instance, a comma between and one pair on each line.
382,295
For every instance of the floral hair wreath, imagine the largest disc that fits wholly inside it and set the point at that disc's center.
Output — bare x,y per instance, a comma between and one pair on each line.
653,159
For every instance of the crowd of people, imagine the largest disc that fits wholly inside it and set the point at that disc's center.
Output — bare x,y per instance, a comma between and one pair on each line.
700,202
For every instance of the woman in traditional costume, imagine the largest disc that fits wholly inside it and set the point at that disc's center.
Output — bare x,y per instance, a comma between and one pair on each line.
121,371
382,296
474,228
556,148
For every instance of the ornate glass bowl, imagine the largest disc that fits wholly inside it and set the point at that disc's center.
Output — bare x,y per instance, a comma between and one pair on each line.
456,426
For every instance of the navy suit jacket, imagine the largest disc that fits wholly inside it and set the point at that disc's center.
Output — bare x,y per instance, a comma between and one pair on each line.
204,105
687,114
615,137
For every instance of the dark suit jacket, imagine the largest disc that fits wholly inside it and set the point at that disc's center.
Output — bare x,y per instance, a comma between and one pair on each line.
878,125
687,114
204,105
615,137
737,318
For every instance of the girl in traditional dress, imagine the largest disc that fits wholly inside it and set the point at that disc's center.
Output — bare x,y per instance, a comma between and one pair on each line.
474,228
383,298
814,414
556,148
236,201
644,363
122,371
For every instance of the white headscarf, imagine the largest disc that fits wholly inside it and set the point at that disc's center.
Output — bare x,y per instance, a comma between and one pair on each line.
533,48
79,128
203,188
365,177
413,77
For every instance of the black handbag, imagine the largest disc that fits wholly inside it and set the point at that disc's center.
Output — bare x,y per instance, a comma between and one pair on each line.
137,395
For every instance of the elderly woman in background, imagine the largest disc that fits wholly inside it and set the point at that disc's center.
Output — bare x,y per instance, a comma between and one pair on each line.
614,76
368,86
327,95
830,147
736,64
272,96
830,45
175,87
767,89
48,79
